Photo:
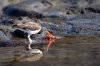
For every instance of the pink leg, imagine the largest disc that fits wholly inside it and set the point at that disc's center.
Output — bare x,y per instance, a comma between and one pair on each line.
49,44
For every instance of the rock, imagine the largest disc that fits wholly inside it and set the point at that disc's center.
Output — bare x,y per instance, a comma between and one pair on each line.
3,37
26,8
72,17
4,3
71,29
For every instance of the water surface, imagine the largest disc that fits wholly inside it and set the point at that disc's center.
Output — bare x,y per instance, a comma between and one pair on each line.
68,51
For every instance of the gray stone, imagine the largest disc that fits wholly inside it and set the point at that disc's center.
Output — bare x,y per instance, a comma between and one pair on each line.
3,37
26,8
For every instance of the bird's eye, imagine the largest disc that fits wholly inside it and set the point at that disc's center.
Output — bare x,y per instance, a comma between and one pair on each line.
48,38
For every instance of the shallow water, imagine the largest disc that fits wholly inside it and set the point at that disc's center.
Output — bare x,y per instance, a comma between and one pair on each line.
68,51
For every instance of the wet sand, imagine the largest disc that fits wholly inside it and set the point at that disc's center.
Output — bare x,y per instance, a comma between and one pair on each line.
68,51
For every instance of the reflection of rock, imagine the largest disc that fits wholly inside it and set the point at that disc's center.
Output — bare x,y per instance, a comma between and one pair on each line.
28,55
11,55
34,57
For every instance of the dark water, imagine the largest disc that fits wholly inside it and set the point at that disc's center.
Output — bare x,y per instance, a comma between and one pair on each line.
69,51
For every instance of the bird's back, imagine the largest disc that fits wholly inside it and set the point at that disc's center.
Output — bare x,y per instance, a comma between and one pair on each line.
28,25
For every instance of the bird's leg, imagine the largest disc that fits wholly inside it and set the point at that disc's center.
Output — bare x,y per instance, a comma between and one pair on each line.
49,44
30,42
50,35
51,39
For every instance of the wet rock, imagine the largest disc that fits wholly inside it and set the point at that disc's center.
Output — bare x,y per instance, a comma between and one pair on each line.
85,26
71,28
60,9
7,22
3,36
4,39
94,10
74,27
4,3
61,13
26,8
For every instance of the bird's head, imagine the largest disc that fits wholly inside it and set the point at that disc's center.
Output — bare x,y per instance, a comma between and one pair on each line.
48,36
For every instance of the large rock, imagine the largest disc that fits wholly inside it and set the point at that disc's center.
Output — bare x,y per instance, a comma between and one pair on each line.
26,8
4,3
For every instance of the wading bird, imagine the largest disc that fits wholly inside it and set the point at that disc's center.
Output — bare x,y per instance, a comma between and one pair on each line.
32,28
